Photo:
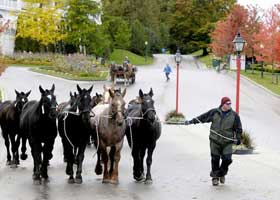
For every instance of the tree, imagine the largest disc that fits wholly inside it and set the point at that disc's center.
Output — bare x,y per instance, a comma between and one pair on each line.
138,37
40,20
147,13
80,23
227,29
119,31
266,40
195,19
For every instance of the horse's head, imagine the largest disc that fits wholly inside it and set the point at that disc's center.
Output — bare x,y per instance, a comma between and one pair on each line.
84,102
48,102
147,105
96,99
73,101
21,99
117,104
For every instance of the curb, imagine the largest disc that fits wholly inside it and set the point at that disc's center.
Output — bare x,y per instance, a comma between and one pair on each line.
257,84
260,86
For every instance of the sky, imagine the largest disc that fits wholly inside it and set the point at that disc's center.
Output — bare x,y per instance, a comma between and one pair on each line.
265,4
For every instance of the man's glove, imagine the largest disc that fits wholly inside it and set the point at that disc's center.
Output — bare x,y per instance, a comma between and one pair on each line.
238,142
187,122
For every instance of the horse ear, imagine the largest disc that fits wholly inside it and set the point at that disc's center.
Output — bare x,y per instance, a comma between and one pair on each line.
104,87
41,89
151,93
141,94
90,89
52,89
124,92
111,92
71,95
28,93
79,89
75,94
17,93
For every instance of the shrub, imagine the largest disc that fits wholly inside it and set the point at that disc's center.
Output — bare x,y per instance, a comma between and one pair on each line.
174,116
247,140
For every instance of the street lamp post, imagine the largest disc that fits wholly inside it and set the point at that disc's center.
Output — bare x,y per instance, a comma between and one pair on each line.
178,59
238,46
146,50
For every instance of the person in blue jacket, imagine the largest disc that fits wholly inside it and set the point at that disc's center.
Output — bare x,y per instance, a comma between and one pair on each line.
167,70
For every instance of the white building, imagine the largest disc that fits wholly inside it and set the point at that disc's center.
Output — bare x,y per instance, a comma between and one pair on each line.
8,10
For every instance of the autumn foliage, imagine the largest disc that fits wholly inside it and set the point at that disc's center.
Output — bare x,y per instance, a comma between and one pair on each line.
3,27
260,31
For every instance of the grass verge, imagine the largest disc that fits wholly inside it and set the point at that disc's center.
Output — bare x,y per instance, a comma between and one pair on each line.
118,56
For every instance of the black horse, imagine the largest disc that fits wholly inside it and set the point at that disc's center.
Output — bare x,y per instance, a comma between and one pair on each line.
9,121
72,103
38,121
144,128
69,106
74,129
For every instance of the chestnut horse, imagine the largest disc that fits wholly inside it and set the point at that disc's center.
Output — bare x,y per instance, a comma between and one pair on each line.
109,127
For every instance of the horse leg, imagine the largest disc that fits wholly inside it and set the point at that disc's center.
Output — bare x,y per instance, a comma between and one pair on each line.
36,150
75,155
141,163
23,155
105,161
117,157
112,158
7,144
69,157
14,144
98,167
80,159
47,155
149,179
137,174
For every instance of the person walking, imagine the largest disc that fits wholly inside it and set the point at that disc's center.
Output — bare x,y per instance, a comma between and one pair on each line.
225,130
167,70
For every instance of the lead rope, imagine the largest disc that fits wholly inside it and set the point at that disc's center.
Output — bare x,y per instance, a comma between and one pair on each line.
65,133
227,138
97,136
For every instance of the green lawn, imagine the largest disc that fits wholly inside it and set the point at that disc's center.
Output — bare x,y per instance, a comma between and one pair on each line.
98,76
256,76
204,59
118,56
266,81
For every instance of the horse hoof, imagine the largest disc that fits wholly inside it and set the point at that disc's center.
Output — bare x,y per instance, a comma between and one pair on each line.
148,181
13,165
98,170
114,182
8,162
46,180
139,179
71,180
79,180
106,181
37,181
23,156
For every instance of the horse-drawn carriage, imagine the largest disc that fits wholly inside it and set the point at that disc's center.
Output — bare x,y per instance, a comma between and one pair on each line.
123,73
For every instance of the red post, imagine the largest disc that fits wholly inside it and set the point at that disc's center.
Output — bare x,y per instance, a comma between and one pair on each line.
237,83
177,87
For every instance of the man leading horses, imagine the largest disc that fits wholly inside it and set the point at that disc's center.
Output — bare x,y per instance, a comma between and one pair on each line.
225,129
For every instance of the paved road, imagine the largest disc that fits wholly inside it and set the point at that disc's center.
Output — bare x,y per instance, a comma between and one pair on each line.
181,161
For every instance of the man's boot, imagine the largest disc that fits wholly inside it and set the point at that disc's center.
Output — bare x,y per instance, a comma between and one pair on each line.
215,181
222,180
